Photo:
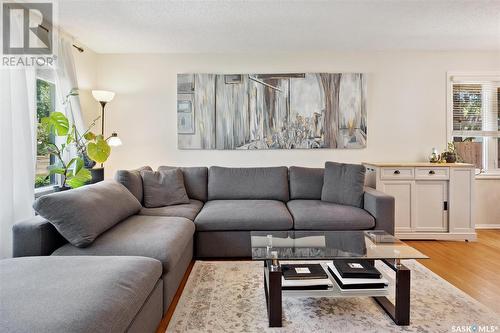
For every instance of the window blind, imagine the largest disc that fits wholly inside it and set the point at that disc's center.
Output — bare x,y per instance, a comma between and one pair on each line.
475,109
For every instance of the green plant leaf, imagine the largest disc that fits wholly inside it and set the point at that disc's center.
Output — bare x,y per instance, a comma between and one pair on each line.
57,122
55,170
89,136
98,151
79,179
78,165
71,136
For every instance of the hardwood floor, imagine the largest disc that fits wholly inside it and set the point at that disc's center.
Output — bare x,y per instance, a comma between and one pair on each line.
473,267
168,315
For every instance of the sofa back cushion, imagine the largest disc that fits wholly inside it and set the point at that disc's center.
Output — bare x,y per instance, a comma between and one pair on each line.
195,181
344,184
163,188
306,183
132,180
81,215
248,183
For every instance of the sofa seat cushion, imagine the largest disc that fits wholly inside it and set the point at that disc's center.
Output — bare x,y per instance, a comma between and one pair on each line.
74,294
321,215
188,211
244,215
159,237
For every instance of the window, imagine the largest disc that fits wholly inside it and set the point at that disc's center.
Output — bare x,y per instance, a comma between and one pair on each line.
475,123
45,104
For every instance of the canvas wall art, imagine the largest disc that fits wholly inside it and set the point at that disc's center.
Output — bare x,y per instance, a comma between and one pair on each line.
271,111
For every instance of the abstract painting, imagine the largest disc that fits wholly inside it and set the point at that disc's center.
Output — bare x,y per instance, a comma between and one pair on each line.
271,111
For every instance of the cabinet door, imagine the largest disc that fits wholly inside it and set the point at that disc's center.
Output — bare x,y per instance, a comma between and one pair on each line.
430,212
403,196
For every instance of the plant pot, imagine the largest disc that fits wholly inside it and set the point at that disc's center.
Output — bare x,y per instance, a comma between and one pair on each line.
61,188
450,157
87,162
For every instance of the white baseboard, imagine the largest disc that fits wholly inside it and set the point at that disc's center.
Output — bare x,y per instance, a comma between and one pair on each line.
487,226
436,236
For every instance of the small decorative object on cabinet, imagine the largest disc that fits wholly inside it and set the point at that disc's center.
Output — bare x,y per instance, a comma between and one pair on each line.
450,156
434,158
433,201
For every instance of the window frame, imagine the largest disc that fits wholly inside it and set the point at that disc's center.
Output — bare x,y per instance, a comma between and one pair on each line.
45,75
490,156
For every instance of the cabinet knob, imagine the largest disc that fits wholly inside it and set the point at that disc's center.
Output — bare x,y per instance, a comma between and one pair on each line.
432,172
397,172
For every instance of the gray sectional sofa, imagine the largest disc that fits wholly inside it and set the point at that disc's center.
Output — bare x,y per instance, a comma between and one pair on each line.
225,205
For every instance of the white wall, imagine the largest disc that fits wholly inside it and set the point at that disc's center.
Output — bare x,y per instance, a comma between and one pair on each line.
487,206
406,106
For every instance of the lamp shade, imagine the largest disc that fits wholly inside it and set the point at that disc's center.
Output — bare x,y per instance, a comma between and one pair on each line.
103,95
114,140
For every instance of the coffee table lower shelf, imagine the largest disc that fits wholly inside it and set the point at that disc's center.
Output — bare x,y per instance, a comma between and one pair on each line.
399,311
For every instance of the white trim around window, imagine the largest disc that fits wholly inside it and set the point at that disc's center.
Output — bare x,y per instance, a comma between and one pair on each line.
491,169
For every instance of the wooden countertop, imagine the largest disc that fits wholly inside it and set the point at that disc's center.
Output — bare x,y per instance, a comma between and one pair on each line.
418,164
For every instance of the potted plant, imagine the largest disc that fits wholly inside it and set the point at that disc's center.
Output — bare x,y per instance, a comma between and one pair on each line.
72,171
450,155
91,148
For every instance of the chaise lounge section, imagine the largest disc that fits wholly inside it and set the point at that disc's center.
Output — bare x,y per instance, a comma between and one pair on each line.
80,294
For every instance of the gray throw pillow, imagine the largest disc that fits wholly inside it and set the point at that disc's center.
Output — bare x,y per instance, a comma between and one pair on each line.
82,214
132,180
163,188
343,184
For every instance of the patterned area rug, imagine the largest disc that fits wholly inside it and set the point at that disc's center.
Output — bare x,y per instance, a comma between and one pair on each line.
228,296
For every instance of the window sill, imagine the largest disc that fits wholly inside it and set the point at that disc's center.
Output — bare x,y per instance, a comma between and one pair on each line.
486,176
44,190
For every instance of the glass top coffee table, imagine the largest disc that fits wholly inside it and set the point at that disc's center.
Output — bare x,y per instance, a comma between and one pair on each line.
273,246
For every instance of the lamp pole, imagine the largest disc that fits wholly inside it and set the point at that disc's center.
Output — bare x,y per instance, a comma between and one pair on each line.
103,104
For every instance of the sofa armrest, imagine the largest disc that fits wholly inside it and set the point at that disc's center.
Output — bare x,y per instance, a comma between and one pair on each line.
35,237
381,206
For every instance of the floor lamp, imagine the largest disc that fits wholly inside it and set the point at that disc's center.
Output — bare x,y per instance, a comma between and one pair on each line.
104,97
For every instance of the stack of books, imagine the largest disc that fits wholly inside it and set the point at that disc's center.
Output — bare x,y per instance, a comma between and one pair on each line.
305,277
357,274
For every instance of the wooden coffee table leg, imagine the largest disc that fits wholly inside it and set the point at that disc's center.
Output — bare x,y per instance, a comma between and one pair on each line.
400,310
272,288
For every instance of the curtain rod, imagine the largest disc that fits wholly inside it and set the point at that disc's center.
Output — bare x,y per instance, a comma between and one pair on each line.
78,48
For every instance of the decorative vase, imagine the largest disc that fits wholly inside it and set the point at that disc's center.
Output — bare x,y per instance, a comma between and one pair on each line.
434,158
449,157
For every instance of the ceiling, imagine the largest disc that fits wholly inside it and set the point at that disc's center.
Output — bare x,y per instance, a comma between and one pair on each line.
154,26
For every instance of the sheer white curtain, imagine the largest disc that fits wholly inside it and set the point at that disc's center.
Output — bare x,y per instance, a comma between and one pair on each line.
17,151
66,80
17,147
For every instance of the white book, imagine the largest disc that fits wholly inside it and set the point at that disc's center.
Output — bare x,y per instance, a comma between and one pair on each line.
347,281
306,283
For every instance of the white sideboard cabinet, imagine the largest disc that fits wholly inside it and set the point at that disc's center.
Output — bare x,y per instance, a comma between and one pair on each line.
433,201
